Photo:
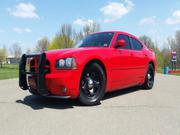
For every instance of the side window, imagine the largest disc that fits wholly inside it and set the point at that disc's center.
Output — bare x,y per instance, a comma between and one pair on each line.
126,38
136,44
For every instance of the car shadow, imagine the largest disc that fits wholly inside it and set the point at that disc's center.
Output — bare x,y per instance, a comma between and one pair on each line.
121,92
38,103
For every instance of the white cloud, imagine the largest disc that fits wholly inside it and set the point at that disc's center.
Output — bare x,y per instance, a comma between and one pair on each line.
82,22
175,19
22,30
148,20
115,10
24,10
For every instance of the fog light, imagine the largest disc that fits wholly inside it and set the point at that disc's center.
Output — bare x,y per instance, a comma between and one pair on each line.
64,90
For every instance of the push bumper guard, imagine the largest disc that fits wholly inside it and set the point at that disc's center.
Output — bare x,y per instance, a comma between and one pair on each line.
40,74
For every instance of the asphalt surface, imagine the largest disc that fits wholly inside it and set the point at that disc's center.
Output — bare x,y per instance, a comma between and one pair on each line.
127,112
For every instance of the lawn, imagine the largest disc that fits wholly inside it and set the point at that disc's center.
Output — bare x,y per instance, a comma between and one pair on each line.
8,72
161,71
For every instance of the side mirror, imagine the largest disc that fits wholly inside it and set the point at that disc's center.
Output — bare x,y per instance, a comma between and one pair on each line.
120,43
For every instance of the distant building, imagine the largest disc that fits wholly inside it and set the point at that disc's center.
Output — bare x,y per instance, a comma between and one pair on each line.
12,60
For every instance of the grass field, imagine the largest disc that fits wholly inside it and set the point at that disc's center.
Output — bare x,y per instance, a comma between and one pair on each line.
161,71
8,72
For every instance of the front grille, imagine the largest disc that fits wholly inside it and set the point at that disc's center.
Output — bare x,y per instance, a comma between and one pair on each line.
39,65
34,65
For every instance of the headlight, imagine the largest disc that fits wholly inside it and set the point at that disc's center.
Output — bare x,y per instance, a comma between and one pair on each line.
69,62
66,63
61,63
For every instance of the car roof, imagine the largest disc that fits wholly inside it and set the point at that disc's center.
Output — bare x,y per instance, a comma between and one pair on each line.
114,31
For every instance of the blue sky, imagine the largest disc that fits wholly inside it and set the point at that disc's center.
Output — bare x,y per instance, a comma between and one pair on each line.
26,21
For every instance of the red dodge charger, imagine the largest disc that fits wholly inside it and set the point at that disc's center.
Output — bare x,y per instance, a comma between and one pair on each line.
102,62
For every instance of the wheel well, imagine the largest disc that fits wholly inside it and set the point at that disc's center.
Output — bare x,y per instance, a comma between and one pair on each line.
98,62
152,64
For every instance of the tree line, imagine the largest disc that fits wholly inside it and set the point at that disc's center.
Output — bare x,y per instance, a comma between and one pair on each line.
163,55
67,37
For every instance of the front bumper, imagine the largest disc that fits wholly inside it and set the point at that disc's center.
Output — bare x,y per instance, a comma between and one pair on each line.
61,83
40,74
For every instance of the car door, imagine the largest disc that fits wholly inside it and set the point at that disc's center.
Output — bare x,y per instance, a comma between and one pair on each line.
139,59
122,65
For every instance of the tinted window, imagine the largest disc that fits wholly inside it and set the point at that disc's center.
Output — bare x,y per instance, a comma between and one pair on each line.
97,40
126,38
136,44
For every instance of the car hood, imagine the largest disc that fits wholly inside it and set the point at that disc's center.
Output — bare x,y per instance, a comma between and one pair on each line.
70,51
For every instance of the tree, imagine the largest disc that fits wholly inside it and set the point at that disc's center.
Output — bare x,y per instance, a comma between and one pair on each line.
166,56
42,45
91,28
159,58
2,56
28,51
152,45
147,41
64,38
16,50
79,36
174,43
88,29
67,37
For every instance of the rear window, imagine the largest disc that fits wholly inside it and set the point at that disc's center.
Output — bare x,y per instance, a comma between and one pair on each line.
136,44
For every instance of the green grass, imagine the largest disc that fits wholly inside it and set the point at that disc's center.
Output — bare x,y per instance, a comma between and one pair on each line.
8,72
161,71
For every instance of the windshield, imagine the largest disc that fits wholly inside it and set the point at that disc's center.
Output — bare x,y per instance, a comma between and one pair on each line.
96,40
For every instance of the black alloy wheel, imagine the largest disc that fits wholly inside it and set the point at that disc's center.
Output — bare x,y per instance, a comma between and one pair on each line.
92,85
149,80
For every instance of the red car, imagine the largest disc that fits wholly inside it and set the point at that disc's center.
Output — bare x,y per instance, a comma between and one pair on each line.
102,62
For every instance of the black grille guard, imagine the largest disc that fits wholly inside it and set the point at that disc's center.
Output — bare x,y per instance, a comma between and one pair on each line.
41,84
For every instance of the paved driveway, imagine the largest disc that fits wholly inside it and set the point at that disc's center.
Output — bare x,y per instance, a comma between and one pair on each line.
126,112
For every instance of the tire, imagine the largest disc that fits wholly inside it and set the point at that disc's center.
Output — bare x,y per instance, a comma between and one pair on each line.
92,85
149,80
33,92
